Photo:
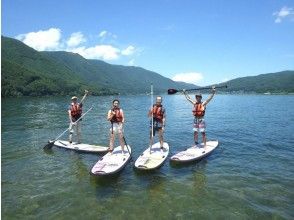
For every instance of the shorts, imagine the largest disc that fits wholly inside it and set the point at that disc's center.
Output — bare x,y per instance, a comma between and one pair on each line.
156,126
199,125
117,128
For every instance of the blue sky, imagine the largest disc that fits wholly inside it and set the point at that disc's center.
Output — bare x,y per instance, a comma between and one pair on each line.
202,42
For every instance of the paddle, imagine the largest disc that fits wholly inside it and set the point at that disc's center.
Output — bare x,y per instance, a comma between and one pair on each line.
51,143
174,91
127,147
152,128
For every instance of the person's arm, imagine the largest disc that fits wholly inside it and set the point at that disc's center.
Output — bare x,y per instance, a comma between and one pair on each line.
210,97
149,113
123,116
163,119
188,97
110,115
69,116
86,93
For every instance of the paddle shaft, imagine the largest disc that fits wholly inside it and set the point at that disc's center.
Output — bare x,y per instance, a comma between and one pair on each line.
152,126
216,87
173,91
127,146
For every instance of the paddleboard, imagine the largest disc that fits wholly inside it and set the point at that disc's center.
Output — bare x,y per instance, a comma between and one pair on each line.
81,147
195,153
152,160
112,162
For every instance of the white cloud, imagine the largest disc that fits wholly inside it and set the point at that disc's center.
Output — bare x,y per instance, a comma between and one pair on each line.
128,51
42,40
102,33
105,52
192,77
75,39
283,13
51,40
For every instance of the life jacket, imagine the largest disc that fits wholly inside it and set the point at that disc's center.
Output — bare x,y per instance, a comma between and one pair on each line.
199,110
117,117
158,112
76,110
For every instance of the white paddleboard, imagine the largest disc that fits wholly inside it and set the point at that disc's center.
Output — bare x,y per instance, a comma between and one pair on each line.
80,147
112,162
195,153
148,161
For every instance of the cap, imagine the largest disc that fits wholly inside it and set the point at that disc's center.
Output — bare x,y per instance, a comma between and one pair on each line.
198,94
74,97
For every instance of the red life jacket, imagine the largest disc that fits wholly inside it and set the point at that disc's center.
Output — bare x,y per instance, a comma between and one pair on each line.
199,110
158,112
117,117
76,110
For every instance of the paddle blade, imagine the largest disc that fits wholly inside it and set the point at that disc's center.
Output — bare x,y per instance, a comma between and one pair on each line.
172,91
49,145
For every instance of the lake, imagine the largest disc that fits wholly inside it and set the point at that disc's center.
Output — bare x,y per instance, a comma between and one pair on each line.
249,176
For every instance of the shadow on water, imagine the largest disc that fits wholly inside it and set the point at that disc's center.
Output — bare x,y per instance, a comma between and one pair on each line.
48,151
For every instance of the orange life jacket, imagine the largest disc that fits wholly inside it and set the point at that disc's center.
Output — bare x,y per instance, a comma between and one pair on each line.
199,110
158,112
76,110
117,117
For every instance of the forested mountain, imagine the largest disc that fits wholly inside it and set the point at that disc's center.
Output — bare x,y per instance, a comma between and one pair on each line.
26,71
280,82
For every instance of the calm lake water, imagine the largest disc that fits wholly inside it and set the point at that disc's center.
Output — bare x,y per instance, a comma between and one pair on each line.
250,175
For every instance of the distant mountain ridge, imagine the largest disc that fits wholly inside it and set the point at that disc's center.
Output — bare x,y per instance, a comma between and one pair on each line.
279,82
26,71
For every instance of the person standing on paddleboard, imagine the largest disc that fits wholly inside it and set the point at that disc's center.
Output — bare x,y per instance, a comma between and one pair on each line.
198,113
116,117
158,113
74,113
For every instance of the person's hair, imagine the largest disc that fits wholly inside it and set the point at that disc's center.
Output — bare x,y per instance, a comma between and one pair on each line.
115,100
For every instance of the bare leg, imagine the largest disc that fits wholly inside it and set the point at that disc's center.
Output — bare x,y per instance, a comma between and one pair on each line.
160,134
121,140
151,140
70,133
204,139
195,137
78,129
111,141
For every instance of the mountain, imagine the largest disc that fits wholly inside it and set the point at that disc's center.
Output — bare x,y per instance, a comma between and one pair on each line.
279,82
26,71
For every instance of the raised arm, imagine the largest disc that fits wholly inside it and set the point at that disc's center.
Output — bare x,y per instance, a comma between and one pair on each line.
188,97
86,93
210,97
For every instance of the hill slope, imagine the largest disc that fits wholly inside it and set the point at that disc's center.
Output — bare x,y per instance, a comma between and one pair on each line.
26,71
280,82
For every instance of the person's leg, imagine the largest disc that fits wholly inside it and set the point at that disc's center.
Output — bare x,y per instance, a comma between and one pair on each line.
111,139
71,131
160,134
78,129
121,137
196,137
204,139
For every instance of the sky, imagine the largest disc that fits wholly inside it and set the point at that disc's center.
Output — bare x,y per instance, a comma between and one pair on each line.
202,42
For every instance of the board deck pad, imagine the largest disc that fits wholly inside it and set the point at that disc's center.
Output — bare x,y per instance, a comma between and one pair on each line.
81,147
148,161
112,162
195,153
